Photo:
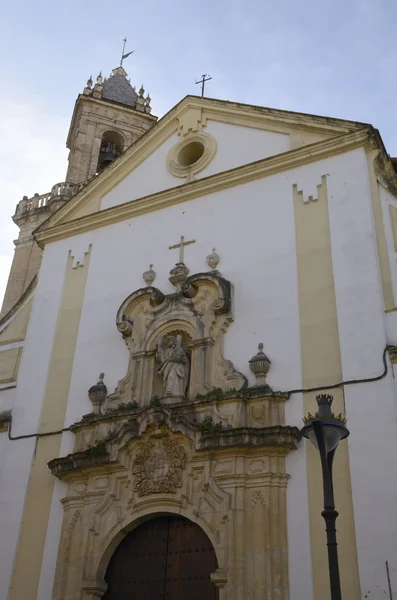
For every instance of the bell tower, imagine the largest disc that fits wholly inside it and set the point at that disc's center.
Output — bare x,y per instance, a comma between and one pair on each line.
107,118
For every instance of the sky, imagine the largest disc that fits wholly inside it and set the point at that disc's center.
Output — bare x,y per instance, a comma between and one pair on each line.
328,57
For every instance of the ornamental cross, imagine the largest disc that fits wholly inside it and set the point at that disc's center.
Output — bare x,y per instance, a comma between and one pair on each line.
181,247
203,79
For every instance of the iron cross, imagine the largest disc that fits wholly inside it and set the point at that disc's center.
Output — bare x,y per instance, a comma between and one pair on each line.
181,247
203,79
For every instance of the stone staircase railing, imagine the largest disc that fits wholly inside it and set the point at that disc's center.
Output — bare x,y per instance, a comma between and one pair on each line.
59,191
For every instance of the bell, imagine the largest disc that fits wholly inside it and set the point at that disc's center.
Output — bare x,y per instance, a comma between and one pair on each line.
106,158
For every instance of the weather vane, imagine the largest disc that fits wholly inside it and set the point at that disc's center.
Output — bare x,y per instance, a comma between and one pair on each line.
124,55
203,79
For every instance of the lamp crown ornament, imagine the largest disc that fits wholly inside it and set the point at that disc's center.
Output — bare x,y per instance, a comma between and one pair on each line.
324,403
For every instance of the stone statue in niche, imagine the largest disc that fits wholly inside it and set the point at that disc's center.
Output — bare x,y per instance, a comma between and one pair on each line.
174,365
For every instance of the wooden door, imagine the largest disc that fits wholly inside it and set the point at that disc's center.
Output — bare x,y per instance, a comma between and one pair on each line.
167,558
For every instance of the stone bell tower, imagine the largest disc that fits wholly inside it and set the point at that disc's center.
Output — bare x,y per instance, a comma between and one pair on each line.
108,117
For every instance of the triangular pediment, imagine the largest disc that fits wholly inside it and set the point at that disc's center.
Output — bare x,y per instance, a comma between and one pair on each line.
234,135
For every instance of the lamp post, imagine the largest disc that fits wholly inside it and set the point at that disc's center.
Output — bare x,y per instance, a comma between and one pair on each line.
325,431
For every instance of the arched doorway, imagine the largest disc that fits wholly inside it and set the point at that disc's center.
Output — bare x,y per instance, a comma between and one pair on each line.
166,558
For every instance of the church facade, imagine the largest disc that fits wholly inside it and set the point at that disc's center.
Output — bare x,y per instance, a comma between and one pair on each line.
173,310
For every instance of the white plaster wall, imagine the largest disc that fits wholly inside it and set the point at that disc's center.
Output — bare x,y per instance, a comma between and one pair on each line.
50,554
16,456
256,242
236,146
369,407
252,227
149,177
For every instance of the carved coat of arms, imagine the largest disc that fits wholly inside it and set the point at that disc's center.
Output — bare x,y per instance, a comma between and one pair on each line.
158,467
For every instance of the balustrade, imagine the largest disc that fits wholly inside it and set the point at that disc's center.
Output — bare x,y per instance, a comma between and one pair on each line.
60,191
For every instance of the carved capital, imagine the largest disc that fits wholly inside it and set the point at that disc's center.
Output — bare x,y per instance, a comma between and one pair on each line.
219,578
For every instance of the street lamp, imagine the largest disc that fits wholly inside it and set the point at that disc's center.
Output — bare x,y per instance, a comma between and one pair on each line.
325,430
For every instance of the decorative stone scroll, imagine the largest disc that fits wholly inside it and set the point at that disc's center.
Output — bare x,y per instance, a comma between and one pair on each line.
175,343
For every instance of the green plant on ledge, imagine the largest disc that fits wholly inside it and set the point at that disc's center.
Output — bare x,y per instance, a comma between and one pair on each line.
208,425
154,402
124,407
97,449
215,393
311,417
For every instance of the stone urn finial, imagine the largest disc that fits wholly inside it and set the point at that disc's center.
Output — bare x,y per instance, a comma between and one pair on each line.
97,394
149,276
213,260
260,365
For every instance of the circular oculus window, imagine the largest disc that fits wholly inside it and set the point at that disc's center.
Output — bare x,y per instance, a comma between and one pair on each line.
191,155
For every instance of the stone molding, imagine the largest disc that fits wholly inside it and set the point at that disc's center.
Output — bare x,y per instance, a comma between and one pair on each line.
189,171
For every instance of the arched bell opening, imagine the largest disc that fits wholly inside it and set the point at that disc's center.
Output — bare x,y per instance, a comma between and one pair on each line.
112,144
167,557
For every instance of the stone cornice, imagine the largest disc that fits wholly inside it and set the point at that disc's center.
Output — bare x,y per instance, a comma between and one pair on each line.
281,438
209,185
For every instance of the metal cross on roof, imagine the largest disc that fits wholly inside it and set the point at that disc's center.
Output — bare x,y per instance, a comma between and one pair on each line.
203,79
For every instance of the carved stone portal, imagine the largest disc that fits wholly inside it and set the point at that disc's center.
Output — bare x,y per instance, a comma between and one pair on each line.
175,343
232,483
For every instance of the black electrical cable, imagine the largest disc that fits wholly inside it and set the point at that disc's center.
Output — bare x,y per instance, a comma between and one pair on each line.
36,435
288,393
348,382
